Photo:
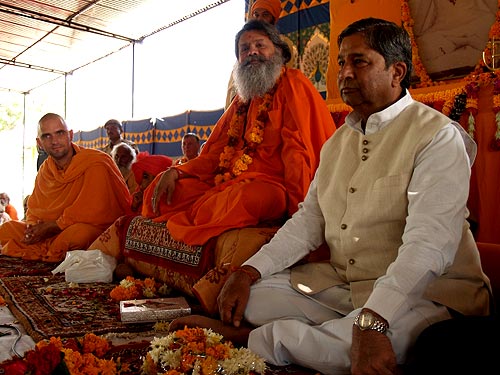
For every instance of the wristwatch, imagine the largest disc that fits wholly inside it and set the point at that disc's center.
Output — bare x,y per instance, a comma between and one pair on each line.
368,321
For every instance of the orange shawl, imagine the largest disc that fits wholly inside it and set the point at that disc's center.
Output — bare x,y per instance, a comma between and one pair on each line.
91,191
283,165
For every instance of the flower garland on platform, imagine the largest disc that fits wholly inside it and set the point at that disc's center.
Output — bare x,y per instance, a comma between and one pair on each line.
131,288
226,172
418,66
472,90
479,77
197,351
495,143
80,356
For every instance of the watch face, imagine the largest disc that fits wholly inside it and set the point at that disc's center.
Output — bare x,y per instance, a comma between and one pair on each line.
365,320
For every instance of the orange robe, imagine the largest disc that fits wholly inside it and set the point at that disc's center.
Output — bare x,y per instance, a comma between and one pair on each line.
297,125
84,200
11,210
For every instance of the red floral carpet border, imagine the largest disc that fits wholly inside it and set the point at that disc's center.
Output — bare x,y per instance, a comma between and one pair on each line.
48,306
152,242
19,267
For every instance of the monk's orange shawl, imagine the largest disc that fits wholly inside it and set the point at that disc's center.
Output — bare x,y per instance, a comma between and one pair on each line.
298,124
91,191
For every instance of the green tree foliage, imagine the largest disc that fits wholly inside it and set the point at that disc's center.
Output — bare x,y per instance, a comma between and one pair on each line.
10,116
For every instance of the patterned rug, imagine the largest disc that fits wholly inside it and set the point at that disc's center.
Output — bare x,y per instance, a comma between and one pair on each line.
19,267
48,306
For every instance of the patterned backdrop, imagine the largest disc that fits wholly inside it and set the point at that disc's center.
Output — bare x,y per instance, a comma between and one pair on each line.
306,23
157,136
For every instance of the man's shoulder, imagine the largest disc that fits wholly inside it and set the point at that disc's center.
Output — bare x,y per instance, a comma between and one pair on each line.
297,80
91,155
294,74
128,141
425,113
107,148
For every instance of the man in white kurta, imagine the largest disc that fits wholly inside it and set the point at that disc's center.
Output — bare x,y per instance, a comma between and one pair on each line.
389,199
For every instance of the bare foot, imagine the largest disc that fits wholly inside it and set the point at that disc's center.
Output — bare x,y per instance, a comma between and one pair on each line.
238,336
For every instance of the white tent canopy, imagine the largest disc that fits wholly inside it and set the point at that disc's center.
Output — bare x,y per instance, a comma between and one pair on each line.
137,59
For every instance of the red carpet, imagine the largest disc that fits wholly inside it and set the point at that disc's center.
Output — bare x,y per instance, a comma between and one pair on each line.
18,267
48,306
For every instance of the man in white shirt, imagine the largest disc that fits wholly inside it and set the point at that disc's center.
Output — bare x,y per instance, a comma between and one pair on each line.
389,199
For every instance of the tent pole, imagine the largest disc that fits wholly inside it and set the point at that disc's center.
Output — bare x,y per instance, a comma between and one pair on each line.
133,80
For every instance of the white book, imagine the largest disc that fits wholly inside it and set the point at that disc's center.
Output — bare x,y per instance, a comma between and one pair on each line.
153,309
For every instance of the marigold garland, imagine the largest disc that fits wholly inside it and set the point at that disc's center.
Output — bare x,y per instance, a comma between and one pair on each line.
80,356
131,288
198,351
226,171
495,143
472,90
418,66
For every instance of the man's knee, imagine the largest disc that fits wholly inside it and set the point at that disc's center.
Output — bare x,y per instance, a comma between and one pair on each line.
256,312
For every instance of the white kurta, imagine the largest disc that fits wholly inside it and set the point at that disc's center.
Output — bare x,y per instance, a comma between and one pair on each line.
313,335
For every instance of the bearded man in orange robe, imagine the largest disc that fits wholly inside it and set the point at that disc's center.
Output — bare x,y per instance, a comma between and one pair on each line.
261,156
78,193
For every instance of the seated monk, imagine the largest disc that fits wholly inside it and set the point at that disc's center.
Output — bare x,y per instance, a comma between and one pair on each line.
78,193
124,156
145,169
190,148
258,162
9,208
4,216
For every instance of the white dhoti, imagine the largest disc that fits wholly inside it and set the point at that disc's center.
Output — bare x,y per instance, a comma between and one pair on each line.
317,332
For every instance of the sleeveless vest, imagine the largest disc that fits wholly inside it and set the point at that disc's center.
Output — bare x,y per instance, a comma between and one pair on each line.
362,185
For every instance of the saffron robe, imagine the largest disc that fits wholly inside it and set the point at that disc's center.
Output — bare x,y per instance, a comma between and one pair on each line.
83,200
283,165
11,211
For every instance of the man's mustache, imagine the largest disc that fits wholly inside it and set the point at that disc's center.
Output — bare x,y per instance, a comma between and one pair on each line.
251,59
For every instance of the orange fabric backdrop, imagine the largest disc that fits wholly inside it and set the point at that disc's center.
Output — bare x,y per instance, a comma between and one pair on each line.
344,12
484,197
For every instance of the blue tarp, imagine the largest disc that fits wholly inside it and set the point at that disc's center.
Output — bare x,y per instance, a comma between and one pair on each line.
157,136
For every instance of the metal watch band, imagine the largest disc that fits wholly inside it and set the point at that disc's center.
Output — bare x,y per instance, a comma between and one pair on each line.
377,325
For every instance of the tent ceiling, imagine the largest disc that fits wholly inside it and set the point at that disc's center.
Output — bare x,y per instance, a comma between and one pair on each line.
42,40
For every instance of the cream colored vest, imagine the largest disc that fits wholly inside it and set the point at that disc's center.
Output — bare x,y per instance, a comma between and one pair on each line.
362,191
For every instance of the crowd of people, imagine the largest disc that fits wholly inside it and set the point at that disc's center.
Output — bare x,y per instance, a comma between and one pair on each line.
376,191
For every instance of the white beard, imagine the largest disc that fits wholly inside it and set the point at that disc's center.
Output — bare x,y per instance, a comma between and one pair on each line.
256,80
125,171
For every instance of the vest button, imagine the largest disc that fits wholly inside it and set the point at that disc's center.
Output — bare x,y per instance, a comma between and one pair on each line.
365,142
352,261
365,151
343,226
352,190
364,157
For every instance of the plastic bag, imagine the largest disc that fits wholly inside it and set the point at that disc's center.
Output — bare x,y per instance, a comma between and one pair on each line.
87,266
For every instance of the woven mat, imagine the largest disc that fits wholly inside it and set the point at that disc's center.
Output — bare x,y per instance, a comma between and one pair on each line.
48,306
10,266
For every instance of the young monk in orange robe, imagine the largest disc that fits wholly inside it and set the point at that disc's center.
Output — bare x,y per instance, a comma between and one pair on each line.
258,162
78,193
